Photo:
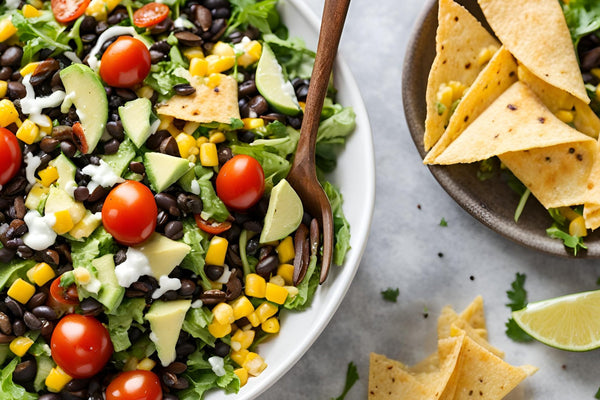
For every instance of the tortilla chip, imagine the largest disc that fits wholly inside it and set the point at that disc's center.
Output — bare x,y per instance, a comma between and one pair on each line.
548,53
516,121
207,104
498,75
449,350
388,379
591,208
459,40
474,315
485,376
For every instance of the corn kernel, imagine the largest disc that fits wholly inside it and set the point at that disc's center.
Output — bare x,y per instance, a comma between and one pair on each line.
41,274
214,80
145,92
242,307
217,137
217,248
444,95
99,9
190,127
486,55
29,68
193,52
82,275
48,176
252,52
7,29
146,364
243,338
285,250
256,286
222,49
218,64
45,128
21,291
165,122
198,66
3,88
253,319
223,313
64,222
302,106
194,151
219,330
286,271
277,280
565,116
458,89
239,356
568,213
20,345
292,291
8,113
208,155
28,132
185,142
265,311
253,123
201,140
577,227
242,374
275,293
57,379
254,364
271,325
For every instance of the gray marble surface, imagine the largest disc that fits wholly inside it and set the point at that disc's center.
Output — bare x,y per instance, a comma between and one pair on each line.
406,242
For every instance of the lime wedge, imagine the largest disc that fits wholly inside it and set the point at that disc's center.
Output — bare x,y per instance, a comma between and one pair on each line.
284,214
569,322
272,85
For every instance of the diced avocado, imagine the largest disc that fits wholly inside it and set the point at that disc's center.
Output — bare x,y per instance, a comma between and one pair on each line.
111,293
36,196
163,254
86,226
120,160
284,214
188,182
44,366
85,90
137,118
166,319
164,170
66,172
59,200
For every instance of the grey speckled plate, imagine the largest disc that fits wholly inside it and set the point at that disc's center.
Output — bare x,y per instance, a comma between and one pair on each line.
491,201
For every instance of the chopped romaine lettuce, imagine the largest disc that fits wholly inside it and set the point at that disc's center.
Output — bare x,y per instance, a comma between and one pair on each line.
9,389
340,224
15,269
98,244
198,241
196,324
120,320
203,378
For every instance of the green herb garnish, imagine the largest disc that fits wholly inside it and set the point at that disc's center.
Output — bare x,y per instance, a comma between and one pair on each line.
443,222
518,300
390,294
351,378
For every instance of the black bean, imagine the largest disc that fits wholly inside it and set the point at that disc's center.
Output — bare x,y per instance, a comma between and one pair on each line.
11,57
25,371
222,349
258,105
188,287
169,378
47,328
126,94
163,26
161,46
294,122
88,25
31,321
48,144
115,129
137,167
45,312
97,194
51,256
111,147
188,38
235,37
44,70
181,383
16,90
217,29
185,349
252,32
19,328
184,89
233,234
189,203
213,272
154,141
174,230
68,148
176,367
253,226
5,73
216,3
37,300
15,308
170,396
81,193
222,12
75,385
202,17
18,227
247,88
225,154
213,296
157,56
246,136
117,15
162,218
252,247
169,146
90,306
62,132
167,202
302,92
267,265
134,334
16,76
5,325
234,288
233,258
50,396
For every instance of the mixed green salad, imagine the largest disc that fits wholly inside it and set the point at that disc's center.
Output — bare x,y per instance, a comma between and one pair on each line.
147,232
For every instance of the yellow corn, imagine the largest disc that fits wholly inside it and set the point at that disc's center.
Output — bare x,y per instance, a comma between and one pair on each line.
271,325
253,319
217,248
82,275
57,379
7,29
28,132
252,52
242,374
292,291
48,176
458,89
242,307
20,345
275,293
8,113
64,222
568,213
242,339
173,130
198,66
219,330
21,291
190,127
193,52
277,280
486,55
185,143
256,286
254,364
208,155
165,122
3,88
239,356
217,137
100,9
40,274
285,250
253,123
444,95
577,227
201,140
286,271
265,311
45,129
145,91
218,64
214,80
147,364
29,68
565,116
223,313
222,49
302,106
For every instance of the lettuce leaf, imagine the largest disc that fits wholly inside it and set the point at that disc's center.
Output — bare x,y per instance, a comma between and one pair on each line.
196,324
198,241
13,270
582,16
98,244
341,225
120,320
306,288
202,378
9,389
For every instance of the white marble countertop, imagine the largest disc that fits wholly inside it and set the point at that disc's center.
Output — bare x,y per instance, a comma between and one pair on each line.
406,243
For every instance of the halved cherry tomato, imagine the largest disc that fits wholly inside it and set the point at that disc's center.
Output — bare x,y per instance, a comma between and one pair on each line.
80,345
129,213
79,138
125,63
150,14
10,156
68,10
210,226
135,385
241,182
62,295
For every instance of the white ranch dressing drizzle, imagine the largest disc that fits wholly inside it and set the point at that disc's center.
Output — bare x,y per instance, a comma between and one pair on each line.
102,175
165,284
33,162
34,105
217,364
40,235
111,32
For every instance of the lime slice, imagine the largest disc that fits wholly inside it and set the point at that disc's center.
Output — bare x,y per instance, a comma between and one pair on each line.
569,322
271,84
284,214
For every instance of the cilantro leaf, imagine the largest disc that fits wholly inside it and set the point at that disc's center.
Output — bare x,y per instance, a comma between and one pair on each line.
582,16
351,378
515,333
443,222
573,242
262,15
597,396
390,294
518,301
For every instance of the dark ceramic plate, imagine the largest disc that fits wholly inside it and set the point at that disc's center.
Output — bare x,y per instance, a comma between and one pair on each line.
491,201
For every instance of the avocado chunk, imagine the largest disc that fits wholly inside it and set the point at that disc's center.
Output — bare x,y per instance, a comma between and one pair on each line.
138,120
284,213
36,197
59,200
85,90
164,170
166,319
119,162
163,254
86,226
111,293
66,172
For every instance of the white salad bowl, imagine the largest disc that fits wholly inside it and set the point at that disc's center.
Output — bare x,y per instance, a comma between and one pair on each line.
355,176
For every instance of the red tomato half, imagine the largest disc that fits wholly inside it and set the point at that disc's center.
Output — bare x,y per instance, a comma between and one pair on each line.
125,63
135,385
150,14
63,296
241,182
210,226
80,345
129,213
10,156
68,10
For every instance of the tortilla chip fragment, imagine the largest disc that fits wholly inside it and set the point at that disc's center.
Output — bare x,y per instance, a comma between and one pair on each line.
474,314
389,380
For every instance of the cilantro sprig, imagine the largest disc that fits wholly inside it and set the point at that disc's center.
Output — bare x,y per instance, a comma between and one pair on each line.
560,230
351,378
390,294
518,300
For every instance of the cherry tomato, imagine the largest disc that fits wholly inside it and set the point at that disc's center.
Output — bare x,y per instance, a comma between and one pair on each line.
129,213
150,14
125,63
210,226
68,10
80,345
241,182
10,156
63,296
135,385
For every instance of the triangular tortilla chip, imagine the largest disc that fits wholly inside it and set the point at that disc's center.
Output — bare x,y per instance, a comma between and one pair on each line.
207,104
460,39
498,75
591,209
548,53
449,351
484,376
516,121
389,380
474,314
